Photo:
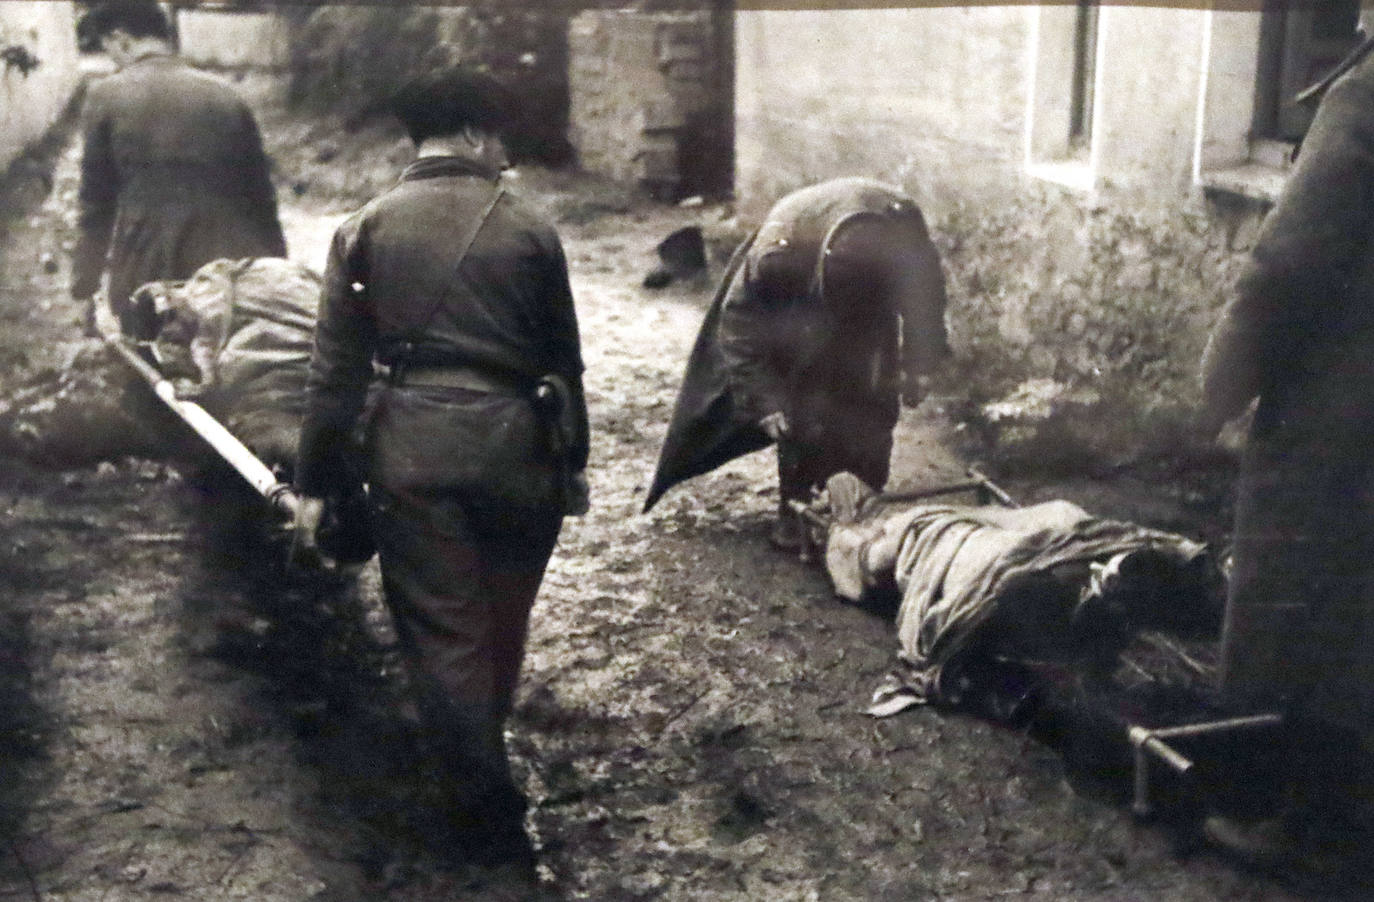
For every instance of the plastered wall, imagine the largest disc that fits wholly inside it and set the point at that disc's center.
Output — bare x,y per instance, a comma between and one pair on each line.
1106,275
40,32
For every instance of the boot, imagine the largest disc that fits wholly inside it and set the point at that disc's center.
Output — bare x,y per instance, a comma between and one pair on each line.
787,532
486,810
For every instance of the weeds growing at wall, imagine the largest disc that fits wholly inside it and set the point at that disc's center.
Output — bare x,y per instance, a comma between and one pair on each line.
1080,330
352,59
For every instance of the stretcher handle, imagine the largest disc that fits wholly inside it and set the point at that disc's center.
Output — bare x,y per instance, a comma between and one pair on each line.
234,452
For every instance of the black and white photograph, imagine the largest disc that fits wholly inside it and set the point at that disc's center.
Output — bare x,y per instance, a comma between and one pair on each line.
704,450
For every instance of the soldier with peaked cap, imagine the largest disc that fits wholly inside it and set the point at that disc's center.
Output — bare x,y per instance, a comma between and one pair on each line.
827,315
173,172
1298,335
456,294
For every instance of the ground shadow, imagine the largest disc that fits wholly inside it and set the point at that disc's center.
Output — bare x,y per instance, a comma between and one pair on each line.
330,681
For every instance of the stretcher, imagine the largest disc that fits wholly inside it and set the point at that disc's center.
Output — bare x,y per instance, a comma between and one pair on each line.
1156,750
237,455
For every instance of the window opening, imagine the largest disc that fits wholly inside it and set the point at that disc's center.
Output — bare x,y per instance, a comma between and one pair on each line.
1084,76
1301,43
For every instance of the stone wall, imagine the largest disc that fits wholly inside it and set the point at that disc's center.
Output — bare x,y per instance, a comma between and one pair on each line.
39,71
645,98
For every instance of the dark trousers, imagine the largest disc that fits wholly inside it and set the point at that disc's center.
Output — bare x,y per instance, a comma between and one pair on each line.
460,582
806,462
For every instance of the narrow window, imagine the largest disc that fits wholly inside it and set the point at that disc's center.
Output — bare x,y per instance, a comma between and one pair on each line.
1084,75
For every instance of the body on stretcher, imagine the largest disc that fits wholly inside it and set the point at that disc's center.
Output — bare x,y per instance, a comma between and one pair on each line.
228,351
1058,598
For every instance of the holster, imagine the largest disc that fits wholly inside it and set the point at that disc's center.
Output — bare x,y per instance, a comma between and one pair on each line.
553,399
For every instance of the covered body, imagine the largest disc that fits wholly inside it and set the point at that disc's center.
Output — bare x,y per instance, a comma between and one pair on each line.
1299,335
246,327
173,175
823,315
976,582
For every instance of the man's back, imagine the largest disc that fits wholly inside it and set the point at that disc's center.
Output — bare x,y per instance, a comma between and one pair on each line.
173,175
160,114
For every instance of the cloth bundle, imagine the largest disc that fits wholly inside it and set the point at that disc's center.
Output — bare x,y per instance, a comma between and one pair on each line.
247,328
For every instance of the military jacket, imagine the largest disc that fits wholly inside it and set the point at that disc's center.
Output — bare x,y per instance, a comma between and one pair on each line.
397,293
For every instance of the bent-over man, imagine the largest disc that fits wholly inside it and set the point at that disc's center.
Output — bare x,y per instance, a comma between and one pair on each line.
827,315
460,294
173,172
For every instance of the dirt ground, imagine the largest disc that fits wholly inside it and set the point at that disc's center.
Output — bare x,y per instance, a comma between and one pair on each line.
177,720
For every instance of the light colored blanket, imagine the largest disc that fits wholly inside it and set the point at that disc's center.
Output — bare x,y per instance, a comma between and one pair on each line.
954,567
248,327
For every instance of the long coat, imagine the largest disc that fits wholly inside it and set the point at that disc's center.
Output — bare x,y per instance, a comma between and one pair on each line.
1299,335
173,175
776,339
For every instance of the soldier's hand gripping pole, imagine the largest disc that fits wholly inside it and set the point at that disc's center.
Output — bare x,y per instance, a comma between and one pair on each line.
234,452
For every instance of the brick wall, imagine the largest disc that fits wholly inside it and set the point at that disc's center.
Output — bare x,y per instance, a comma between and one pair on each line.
644,88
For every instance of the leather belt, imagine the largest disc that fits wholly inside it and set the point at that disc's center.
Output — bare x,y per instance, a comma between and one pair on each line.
461,377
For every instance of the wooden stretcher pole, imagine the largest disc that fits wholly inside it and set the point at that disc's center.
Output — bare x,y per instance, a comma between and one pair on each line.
234,452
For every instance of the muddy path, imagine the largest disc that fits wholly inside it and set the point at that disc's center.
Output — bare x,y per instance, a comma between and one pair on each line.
182,719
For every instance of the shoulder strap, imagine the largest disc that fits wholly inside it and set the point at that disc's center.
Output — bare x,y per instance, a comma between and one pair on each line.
463,249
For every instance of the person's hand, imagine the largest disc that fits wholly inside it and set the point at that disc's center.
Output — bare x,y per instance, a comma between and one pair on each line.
774,426
188,389
305,548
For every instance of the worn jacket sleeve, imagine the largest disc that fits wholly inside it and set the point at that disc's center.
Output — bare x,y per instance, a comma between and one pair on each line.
748,334
258,189
564,346
340,370
1302,262
97,196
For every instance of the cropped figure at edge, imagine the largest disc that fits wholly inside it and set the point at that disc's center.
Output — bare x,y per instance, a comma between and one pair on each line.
1298,335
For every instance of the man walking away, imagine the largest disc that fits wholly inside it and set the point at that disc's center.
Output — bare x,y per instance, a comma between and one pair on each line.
173,173
477,435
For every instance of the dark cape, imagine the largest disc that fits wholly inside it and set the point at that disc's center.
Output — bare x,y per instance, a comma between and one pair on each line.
706,429
711,423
